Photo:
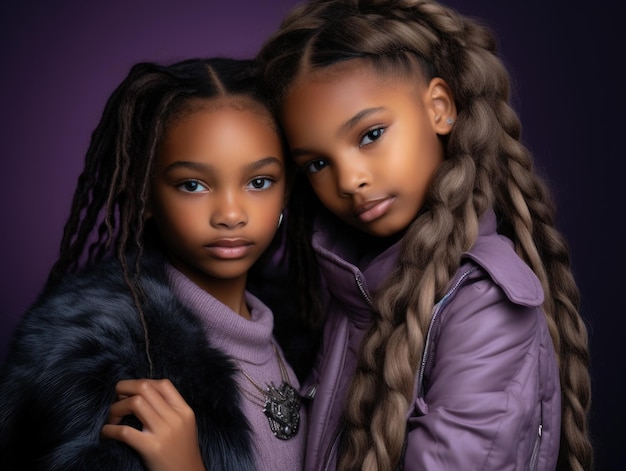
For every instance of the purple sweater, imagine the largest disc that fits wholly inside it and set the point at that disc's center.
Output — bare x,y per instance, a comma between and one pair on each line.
249,343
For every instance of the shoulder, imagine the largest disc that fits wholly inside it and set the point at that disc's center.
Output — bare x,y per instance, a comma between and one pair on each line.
493,301
494,255
492,288
491,310
88,297
488,353
96,293
91,309
489,319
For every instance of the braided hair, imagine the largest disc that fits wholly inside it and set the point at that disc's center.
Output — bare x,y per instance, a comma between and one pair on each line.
485,166
109,208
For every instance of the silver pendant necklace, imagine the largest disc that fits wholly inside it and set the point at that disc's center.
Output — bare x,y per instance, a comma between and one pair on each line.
281,405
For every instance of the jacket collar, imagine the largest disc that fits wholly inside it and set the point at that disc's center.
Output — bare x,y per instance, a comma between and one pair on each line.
495,254
350,277
342,268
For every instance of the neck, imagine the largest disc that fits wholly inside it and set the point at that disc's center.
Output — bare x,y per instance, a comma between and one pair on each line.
229,292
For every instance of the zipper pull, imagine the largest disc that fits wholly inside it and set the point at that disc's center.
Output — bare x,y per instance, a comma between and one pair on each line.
310,392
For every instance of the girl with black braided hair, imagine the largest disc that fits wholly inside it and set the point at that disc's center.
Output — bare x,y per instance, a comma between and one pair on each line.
147,351
452,339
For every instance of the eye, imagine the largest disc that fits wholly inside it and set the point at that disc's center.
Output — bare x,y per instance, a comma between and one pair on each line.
371,136
191,186
260,183
315,166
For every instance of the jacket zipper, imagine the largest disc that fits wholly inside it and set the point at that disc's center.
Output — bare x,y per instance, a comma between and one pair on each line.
438,307
335,443
535,455
333,446
534,458
359,283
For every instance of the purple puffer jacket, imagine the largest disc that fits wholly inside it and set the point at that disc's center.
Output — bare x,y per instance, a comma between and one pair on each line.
487,394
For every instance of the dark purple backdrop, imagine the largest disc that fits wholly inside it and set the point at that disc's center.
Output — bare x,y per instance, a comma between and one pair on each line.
59,64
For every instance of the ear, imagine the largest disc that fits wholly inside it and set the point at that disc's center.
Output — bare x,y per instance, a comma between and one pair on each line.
441,106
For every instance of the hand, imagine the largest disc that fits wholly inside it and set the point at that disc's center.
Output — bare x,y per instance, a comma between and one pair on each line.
169,439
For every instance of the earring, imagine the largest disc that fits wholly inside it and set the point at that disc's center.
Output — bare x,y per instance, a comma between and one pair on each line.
280,219
449,121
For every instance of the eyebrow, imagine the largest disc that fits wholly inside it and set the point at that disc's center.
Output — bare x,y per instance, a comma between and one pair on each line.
344,128
201,167
265,162
186,165
357,118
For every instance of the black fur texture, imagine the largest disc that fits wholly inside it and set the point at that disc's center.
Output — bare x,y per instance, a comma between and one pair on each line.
73,346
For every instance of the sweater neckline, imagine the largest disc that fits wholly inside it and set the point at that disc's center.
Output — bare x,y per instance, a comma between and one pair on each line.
246,340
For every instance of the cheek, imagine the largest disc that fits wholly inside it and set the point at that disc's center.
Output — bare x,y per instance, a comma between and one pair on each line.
420,160
323,187
266,211
327,192
178,220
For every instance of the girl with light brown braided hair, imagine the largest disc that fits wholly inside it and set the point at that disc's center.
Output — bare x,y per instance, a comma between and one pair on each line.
452,337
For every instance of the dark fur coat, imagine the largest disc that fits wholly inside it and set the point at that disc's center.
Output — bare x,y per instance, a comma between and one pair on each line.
73,346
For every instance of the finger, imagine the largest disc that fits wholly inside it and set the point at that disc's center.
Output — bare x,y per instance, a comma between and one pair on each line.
147,405
169,393
132,387
171,397
121,409
162,395
179,407
149,389
125,434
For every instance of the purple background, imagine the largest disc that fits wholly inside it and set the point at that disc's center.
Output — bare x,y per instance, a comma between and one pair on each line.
61,60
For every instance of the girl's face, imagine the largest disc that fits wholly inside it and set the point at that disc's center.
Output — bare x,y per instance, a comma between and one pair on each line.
370,143
218,191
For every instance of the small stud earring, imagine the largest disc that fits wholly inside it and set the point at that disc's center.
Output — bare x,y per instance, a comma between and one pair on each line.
449,121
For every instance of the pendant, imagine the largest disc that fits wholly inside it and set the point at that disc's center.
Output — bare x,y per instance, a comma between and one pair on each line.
282,409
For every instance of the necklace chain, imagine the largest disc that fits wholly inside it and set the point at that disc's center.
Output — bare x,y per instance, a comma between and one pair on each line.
283,373
280,405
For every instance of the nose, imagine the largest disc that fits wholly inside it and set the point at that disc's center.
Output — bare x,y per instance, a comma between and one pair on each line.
353,175
228,212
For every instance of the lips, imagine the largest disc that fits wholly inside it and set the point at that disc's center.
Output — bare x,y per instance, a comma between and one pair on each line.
373,209
229,248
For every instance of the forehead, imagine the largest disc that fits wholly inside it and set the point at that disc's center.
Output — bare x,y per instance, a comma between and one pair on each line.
322,99
343,75
235,102
219,129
